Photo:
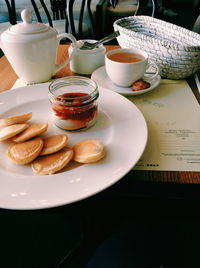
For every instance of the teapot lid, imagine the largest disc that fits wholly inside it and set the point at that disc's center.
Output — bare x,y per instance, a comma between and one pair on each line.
27,26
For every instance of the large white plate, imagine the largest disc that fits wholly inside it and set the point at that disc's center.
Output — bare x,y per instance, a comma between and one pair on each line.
101,78
121,127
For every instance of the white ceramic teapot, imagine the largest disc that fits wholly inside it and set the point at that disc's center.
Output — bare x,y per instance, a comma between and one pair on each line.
31,49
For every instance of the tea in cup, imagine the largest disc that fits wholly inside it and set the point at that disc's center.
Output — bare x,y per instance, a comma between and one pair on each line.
124,66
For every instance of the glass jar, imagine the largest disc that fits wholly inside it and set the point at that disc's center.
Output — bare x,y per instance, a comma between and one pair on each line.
74,102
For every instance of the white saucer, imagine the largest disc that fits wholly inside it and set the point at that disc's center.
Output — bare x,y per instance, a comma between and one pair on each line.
101,78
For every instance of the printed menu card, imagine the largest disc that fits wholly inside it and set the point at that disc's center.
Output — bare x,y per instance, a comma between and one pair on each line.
173,118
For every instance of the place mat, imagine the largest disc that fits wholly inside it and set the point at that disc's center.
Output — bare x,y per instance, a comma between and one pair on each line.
173,118
22,83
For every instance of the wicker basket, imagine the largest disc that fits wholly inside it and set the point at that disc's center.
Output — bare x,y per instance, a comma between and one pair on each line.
176,50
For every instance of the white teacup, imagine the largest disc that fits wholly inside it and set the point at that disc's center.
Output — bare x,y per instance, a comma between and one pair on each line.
124,66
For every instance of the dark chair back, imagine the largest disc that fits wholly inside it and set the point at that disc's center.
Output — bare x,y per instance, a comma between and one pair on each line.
143,4
38,13
11,11
70,14
61,10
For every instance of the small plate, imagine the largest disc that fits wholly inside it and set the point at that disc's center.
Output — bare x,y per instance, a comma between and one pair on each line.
101,78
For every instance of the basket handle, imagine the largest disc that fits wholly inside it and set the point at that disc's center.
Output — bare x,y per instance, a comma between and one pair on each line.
154,7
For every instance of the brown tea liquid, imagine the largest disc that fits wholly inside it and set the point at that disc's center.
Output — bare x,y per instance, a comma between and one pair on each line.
125,57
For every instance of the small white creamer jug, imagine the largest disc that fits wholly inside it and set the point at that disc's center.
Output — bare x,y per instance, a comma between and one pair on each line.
31,49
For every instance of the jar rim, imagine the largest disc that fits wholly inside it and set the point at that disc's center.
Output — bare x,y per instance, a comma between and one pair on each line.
75,80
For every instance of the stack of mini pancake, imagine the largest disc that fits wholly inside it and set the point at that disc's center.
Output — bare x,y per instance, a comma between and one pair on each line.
46,155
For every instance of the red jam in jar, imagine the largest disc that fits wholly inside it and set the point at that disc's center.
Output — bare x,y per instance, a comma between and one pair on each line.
74,102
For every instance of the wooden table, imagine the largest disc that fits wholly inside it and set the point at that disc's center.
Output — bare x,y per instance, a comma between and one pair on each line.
8,78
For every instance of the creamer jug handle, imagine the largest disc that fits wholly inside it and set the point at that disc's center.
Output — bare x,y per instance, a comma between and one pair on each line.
58,67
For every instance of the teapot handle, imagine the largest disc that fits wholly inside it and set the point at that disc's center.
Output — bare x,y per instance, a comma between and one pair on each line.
58,67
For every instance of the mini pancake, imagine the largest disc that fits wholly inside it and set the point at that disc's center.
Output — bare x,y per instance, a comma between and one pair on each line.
11,131
32,131
89,151
52,163
25,152
53,144
16,119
